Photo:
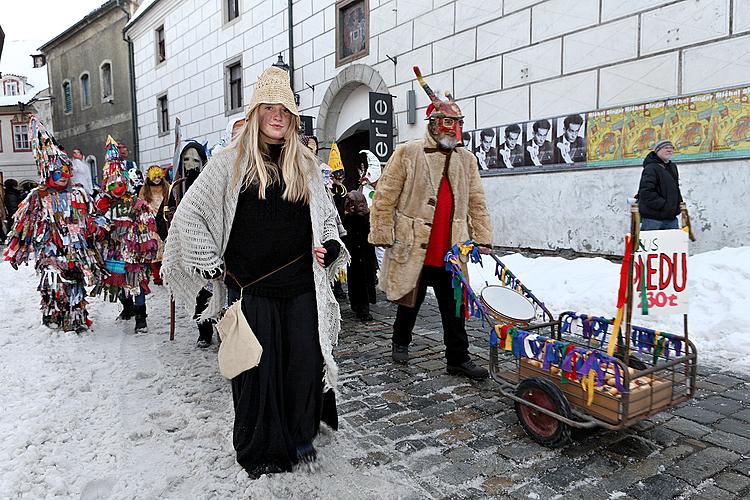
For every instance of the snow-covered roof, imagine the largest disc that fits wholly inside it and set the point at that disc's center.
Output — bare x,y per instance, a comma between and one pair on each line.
144,7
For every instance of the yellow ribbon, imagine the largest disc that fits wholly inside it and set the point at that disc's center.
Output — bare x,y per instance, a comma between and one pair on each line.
615,332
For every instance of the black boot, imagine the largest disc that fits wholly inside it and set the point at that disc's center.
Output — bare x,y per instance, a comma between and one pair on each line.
205,334
128,310
140,318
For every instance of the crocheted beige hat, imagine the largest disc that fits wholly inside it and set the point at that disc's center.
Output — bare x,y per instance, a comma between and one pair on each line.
273,87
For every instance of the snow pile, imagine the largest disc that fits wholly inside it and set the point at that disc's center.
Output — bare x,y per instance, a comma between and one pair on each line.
118,415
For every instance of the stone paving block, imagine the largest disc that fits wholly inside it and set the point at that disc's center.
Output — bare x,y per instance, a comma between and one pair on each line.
743,414
724,379
560,478
741,393
703,464
743,466
657,487
533,489
406,418
699,415
731,481
729,441
460,435
687,427
710,492
733,426
661,435
632,447
399,432
462,416
725,406
460,453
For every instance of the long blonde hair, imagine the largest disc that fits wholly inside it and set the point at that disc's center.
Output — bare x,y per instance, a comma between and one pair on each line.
250,167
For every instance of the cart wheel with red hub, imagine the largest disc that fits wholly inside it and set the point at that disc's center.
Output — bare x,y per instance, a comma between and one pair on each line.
543,429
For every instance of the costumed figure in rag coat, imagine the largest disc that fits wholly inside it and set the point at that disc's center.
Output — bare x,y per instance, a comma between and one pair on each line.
430,197
130,243
55,224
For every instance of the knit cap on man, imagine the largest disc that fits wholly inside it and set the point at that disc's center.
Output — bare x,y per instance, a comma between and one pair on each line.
663,144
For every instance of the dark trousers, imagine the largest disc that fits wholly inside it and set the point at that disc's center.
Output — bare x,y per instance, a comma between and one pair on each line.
454,332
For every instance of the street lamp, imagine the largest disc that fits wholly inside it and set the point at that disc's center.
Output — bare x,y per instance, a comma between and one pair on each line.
281,64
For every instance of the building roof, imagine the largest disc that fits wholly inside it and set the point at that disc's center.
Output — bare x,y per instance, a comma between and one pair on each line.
17,61
89,18
144,7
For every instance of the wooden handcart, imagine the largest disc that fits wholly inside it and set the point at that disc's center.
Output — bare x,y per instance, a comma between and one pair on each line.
558,371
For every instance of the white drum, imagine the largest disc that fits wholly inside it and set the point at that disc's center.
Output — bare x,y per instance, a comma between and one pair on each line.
507,305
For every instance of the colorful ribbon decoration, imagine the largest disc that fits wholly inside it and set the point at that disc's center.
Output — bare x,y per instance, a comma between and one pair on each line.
621,295
462,292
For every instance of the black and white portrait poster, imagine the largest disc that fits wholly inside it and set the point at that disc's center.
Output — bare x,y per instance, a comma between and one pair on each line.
510,141
485,148
570,143
538,148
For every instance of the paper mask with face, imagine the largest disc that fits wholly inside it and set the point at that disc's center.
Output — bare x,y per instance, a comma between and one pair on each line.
191,160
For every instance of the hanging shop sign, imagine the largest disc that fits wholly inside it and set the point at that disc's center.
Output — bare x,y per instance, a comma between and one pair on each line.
381,125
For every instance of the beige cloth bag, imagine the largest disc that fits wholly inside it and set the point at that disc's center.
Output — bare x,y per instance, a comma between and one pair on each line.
240,349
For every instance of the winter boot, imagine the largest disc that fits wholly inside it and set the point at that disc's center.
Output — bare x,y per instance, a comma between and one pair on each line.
140,318
205,334
128,309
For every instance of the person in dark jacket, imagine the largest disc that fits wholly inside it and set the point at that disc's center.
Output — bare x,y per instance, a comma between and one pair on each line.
363,266
12,198
659,195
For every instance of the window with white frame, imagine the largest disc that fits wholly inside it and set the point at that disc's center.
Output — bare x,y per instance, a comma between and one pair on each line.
67,97
233,85
105,78
161,45
11,87
231,10
85,91
162,107
21,137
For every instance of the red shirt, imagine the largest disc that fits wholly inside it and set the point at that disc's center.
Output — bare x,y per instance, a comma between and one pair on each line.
440,235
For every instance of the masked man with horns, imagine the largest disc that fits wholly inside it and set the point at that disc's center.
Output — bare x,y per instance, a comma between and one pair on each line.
429,197
54,223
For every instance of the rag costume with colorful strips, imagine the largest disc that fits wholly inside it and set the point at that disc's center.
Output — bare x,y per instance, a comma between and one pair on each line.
53,225
129,242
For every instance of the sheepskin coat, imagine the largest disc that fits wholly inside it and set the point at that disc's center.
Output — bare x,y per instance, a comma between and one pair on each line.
404,207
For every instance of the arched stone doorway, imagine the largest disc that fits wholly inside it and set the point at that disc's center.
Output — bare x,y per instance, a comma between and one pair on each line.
344,113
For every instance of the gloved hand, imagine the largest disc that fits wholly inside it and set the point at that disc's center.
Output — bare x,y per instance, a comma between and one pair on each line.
333,248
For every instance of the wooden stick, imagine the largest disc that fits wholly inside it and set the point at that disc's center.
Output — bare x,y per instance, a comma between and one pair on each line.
634,236
171,318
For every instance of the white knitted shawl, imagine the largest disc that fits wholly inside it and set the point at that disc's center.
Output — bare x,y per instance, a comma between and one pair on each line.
198,237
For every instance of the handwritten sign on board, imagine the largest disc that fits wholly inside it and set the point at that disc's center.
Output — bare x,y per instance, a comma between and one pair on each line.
661,263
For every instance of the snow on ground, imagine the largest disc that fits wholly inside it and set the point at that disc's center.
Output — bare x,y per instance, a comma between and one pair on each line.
718,288
119,415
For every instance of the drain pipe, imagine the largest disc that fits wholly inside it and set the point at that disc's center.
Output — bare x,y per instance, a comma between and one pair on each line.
290,33
131,71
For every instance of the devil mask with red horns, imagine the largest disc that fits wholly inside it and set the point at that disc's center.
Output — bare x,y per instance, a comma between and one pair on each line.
445,118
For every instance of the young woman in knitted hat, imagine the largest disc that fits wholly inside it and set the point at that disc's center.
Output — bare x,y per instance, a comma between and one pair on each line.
259,224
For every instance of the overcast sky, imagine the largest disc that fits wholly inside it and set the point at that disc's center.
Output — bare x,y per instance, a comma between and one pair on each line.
28,24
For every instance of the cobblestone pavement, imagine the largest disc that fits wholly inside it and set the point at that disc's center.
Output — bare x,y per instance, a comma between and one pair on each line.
461,439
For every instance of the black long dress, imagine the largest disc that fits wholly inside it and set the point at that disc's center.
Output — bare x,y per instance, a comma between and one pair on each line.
280,403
